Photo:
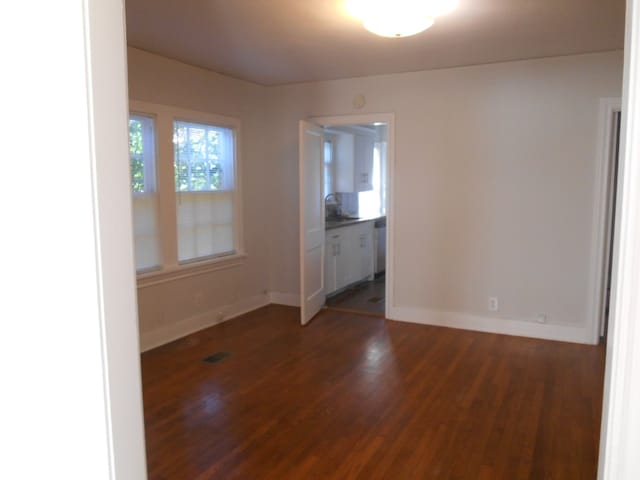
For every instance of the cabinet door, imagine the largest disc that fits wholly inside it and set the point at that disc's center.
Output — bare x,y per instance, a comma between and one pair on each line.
331,252
342,260
349,255
363,163
344,163
350,258
364,238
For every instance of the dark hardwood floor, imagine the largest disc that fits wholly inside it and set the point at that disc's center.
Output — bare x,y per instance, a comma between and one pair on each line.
361,397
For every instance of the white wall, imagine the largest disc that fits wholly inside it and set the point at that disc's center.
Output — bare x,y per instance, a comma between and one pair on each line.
494,187
69,362
169,310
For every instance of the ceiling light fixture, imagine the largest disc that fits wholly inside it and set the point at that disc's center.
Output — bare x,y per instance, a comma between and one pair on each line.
398,18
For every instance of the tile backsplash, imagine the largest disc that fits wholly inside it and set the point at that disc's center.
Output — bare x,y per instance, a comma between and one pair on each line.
349,203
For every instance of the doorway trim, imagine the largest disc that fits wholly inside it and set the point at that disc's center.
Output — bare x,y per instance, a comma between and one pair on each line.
389,119
620,432
602,213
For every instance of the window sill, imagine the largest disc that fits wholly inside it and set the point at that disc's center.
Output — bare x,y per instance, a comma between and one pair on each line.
190,270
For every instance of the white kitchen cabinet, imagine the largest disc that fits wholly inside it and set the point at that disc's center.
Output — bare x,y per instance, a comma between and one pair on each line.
335,267
353,161
348,255
362,239
363,163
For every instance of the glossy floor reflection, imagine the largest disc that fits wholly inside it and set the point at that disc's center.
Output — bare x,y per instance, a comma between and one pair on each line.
360,397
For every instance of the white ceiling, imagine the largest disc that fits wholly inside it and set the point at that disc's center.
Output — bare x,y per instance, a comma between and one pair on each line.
285,41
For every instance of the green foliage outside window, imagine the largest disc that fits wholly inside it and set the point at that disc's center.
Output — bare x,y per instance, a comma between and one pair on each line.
136,156
197,163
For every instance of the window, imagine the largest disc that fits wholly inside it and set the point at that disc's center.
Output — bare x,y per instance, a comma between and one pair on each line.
372,203
187,204
204,171
143,187
328,167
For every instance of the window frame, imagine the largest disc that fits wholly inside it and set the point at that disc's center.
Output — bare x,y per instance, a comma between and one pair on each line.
171,268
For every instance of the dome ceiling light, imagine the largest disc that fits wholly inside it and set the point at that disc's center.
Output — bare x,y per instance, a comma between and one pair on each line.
398,18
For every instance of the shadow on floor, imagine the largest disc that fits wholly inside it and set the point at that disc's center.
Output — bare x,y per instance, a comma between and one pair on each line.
366,297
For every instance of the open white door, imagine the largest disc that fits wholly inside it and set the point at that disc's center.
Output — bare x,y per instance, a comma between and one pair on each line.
312,296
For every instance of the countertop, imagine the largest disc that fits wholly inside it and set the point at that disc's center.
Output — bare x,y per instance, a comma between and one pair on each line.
331,224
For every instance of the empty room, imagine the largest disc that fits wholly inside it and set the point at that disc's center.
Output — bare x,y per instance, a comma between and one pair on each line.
321,239
500,123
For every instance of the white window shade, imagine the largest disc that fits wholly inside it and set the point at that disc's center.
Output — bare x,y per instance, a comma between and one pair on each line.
145,232
205,225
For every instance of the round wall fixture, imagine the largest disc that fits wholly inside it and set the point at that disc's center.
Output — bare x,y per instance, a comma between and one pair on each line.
359,101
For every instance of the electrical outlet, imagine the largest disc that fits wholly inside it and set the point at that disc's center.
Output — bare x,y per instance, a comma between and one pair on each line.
541,318
493,304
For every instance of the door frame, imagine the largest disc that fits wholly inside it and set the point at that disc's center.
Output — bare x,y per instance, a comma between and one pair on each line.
603,211
620,432
303,127
389,120
71,301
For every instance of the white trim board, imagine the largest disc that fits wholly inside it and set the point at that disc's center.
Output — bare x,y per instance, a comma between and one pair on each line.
288,299
504,326
466,321
620,433
215,316
168,333
601,222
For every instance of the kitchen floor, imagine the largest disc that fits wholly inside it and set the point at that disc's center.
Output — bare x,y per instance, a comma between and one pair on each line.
366,297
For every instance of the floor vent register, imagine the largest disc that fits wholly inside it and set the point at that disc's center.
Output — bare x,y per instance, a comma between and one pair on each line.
217,357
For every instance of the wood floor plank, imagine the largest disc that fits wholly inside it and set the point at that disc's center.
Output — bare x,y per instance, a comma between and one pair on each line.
352,397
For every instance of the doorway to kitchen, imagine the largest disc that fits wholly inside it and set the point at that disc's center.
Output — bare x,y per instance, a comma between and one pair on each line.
355,196
611,127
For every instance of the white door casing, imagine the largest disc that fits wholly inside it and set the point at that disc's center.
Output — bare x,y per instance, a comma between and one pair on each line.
70,364
312,231
387,119
620,433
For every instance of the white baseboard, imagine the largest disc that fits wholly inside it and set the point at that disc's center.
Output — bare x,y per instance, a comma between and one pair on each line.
520,328
289,299
564,333
169,333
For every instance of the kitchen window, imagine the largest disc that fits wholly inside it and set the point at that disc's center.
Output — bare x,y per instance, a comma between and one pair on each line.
372,203
328,167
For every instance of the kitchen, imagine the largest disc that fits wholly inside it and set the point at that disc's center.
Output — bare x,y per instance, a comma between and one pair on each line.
355,158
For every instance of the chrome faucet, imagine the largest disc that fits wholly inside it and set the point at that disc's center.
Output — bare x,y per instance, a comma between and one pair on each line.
337,205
